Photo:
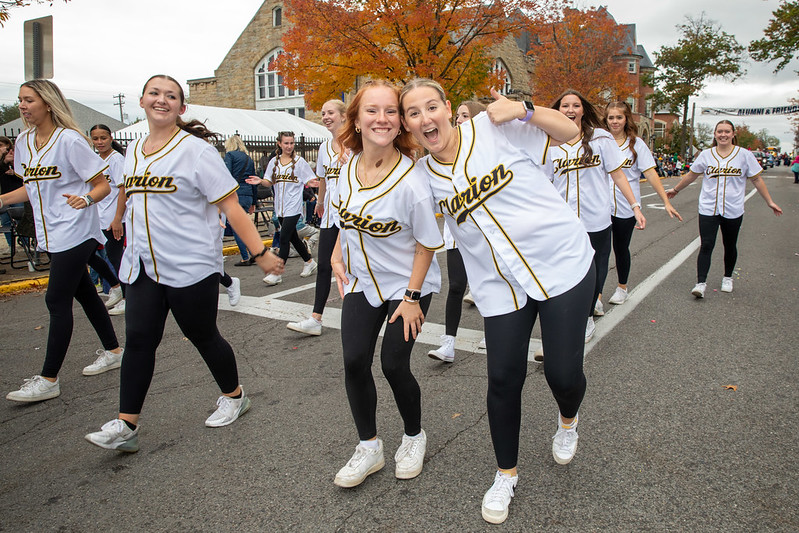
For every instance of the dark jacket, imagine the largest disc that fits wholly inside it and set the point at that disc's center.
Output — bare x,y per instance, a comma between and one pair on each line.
241,167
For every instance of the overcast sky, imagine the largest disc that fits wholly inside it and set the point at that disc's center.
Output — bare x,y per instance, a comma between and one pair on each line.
104,47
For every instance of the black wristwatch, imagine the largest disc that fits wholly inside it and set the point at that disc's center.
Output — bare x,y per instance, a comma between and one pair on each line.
413,295
528,105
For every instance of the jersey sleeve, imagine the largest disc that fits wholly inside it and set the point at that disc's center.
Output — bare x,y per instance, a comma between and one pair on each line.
84,161
320,160
212,176
612,156
644,161
753,168
270,168
531,139
116,168
422,215
303,171
700,163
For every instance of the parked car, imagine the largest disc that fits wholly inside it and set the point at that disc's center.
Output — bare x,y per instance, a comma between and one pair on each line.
763,158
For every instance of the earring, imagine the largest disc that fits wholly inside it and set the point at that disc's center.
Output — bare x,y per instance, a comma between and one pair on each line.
357,129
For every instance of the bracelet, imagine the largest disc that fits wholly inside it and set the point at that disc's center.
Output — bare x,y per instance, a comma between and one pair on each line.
261,253
85,199
409,300
634,205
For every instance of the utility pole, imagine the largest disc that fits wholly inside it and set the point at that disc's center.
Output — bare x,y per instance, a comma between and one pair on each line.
120,101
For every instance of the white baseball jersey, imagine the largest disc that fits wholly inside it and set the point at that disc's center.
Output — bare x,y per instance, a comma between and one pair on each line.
517,236
724,180
107,207
172,222
380,226
620,207
328,167
584,184
64,165
288,182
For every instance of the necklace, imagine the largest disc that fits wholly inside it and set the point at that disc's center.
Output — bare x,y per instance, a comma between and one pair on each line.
379,173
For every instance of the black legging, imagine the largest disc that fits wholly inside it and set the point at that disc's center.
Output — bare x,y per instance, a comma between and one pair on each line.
507,344
324,273
194,308
288,236
360,327
456,277
69,279
225,280
622,235
600,242
101,267
708,229
114,249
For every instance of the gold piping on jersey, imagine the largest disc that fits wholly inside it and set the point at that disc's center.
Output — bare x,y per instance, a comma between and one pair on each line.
37,148
364,187
164,146
496,265
234,189
44,222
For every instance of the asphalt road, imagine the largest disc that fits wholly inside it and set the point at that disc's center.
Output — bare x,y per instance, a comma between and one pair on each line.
664,445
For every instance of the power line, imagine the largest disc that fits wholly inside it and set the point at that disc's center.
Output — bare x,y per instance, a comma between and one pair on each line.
120,101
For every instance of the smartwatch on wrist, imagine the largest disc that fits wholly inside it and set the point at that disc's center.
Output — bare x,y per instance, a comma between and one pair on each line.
634,205
528,105
412,295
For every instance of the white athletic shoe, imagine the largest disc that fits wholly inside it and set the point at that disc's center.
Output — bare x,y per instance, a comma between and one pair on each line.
445,352
234,292
726,284
228,410
118,309
364,462
619,297
482,344
699,290
106,360
497,499
468,299
599,309
273,279
410,456
309,268
114,297
564,443
309,326
590,329
116,435
35,389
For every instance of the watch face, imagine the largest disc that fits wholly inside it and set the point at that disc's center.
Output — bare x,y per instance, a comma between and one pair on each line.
529,105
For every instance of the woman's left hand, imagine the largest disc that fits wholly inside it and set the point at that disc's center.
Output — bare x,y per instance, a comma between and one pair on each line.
774,207
412,318
640,221
76,202
502,110
116,228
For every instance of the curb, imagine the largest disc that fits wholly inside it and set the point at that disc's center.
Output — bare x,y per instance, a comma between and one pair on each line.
17,286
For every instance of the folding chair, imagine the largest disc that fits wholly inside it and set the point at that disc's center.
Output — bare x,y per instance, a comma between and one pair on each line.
32,259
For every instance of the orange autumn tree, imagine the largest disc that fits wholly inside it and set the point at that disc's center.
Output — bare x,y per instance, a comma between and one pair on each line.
578,52
334,44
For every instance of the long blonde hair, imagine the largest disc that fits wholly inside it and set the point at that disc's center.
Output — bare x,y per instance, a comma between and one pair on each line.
60,112
234,143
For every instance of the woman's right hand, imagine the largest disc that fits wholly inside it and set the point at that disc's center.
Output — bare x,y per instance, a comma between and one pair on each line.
671,193
502,110
253,180
341,276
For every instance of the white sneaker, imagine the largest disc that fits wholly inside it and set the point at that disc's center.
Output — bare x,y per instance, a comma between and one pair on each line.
228,410
364,462
445,352
308,269
497,498
564,443
468,299
114,297
273,279
410,456
118,309
599,309
482,344
590,329
619,297
726,284
699,290
234,292
35,389
538,356
116,435
309,326
105,361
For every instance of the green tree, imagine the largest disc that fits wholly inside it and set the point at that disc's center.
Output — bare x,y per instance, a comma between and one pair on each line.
747,138
703,52
781,42
9,112
703,136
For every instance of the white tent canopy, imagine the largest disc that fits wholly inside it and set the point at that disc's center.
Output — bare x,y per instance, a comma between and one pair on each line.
245,122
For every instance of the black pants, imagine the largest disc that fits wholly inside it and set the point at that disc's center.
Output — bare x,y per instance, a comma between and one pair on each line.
622,235
70,279
114,249
194,308
600,242
225,280
324,273
101,267
456,277
508,342
288,236
708,229
360,327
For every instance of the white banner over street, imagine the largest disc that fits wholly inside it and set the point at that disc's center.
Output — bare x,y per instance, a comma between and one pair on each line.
751,111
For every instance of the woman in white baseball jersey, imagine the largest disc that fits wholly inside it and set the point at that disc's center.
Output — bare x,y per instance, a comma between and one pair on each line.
288,174
725,167
385,267
112,211
328,165
483,174
456,272
638,161
63,177
579,170
175,181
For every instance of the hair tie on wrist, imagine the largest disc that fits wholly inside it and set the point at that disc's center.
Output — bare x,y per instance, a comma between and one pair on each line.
261,253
